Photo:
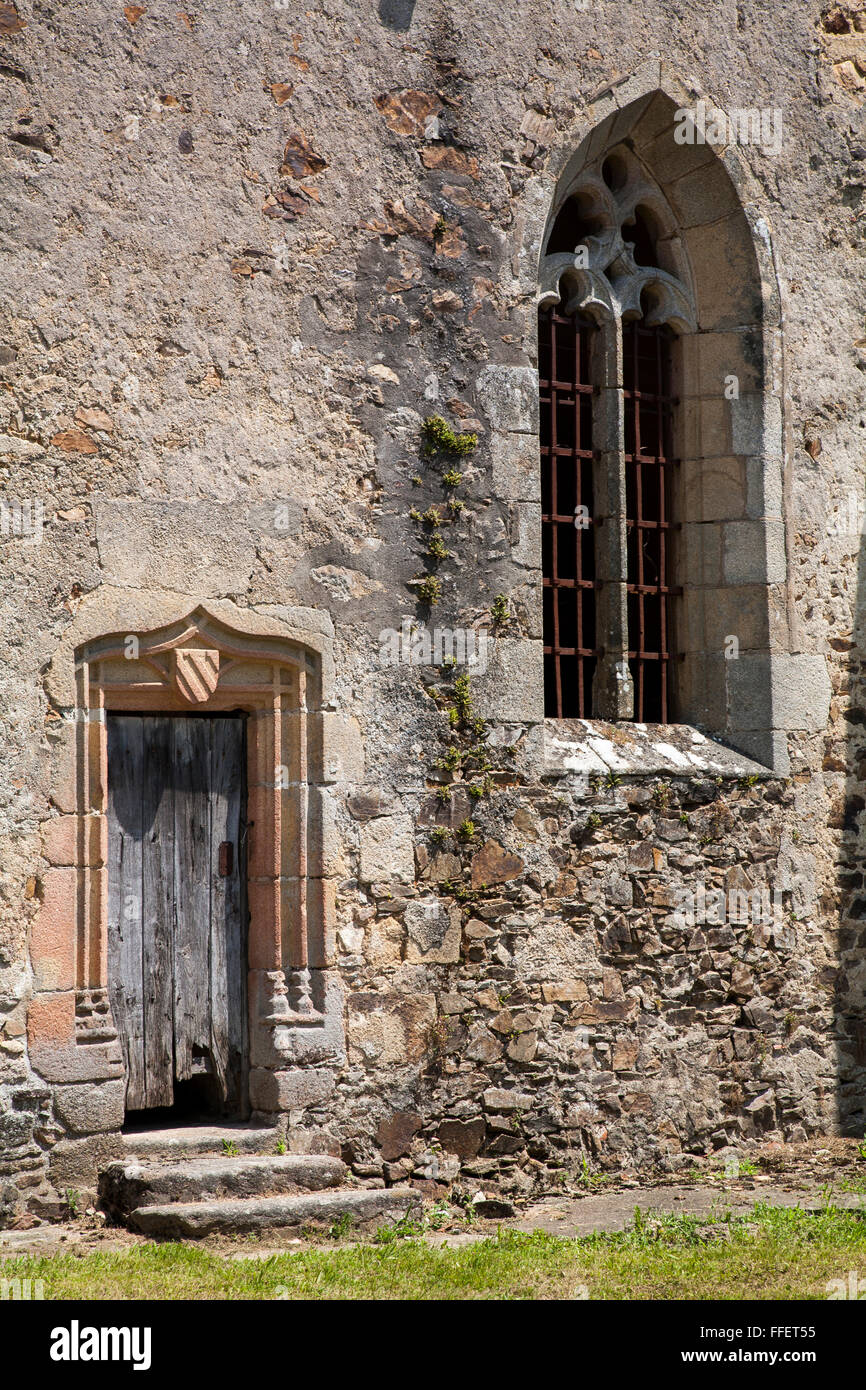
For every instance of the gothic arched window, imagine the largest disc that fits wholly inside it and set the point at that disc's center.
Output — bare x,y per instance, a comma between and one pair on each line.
615,295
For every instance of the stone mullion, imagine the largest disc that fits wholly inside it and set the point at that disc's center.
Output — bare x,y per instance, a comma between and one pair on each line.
613,689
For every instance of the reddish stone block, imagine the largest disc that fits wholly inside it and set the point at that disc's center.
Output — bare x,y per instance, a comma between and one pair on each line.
263,848
321,919
395,1134
52,937
51,1020
59,840
493,864
265,952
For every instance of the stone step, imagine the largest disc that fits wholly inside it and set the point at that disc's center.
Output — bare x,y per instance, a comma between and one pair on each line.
187,1141
126,1185
365,1207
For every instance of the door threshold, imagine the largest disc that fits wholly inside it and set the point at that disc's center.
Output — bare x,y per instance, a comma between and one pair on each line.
187,1139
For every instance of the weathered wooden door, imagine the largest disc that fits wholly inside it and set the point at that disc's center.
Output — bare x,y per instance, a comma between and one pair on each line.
177,905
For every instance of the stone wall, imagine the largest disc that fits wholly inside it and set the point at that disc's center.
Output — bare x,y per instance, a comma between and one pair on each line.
561,983
248,252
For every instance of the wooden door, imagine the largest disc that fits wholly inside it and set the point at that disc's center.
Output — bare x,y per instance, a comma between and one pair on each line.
177,905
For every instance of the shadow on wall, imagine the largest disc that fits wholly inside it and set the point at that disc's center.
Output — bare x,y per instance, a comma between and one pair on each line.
396,14
850,1021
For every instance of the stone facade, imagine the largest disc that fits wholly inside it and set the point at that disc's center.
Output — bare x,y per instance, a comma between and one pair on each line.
249,254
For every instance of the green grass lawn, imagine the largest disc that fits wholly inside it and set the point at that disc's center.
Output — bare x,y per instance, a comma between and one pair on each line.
774,1253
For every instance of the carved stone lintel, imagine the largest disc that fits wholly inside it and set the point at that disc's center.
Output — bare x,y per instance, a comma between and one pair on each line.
601,278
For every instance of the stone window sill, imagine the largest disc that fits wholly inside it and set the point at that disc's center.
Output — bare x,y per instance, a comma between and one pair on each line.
594,747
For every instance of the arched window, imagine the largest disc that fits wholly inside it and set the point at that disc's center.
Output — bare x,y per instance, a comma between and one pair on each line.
615,295
659,392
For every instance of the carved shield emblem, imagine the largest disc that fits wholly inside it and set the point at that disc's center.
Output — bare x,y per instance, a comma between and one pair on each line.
196,673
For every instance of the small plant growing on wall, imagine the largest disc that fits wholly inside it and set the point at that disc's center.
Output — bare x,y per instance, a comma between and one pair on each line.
451,761
439,441
429,590
499,609
463,698
662,795
439,438
437,548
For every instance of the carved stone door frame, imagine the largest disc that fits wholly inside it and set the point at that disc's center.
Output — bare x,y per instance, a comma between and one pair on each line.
201,664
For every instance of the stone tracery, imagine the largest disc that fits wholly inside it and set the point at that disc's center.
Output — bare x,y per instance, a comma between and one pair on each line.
600,275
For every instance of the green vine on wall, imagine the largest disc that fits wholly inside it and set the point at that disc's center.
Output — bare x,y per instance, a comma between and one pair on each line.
440,442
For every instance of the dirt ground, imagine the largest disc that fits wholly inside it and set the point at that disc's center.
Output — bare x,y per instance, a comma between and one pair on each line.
808,1174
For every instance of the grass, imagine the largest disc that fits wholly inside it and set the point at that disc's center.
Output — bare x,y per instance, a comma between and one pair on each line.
776,1253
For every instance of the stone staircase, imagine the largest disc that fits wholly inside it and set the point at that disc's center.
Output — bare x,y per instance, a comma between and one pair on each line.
195,1180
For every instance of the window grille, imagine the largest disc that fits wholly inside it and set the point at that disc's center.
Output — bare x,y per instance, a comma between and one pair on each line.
567,513
610,313
649,465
